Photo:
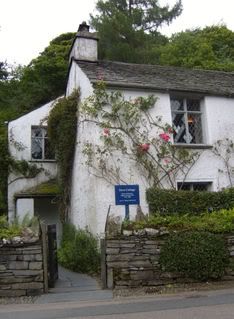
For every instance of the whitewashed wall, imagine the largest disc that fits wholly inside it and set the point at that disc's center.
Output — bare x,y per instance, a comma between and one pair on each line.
19,132
91,196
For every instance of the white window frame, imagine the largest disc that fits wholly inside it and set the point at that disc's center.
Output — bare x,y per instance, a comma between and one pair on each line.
186,113
42,138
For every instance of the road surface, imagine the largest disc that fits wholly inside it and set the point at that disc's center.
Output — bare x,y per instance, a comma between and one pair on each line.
200,305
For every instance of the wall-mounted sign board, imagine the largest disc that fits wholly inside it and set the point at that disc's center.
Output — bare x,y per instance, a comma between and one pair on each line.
127,195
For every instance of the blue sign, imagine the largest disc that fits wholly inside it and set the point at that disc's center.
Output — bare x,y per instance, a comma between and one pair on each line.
127,195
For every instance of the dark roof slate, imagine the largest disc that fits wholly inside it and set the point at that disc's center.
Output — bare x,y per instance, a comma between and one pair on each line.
162,78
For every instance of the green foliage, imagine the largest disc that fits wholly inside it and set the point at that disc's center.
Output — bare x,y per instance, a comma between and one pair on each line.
195,255
3,71
25,88
50,187
216,222
187,202
24,168
78,251
62,126
44,79
9,230
4,162
129,132
128,29
210,48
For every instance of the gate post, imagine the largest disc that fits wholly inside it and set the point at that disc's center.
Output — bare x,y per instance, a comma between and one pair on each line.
44,256
103,264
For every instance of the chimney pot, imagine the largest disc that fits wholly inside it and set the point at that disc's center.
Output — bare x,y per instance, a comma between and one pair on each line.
83,27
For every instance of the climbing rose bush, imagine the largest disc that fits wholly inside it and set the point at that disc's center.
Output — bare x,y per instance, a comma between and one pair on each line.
130,133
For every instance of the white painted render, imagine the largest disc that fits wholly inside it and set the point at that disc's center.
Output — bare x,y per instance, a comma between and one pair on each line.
91,196
19,132
84,49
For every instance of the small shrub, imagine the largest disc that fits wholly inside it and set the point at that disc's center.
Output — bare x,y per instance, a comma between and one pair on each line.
186,202
79,251
197,255
219,222
15,228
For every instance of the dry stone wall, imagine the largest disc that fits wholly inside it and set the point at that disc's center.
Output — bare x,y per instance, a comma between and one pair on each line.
133,261
21,270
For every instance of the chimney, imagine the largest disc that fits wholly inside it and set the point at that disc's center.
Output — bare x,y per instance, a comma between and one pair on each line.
84,47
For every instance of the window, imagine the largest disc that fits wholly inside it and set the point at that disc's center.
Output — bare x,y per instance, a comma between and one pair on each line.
40,147
187,120
194,186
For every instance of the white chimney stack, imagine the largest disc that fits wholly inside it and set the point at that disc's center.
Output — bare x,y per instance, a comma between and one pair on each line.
85,45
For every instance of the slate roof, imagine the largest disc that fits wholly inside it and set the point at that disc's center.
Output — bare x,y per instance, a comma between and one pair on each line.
161,78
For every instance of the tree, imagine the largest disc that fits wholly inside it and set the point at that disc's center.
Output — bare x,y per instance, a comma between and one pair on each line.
25,88
3,71
209,48
45,77
128,29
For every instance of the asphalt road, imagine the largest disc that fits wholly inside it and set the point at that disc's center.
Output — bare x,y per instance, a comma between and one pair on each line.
205,305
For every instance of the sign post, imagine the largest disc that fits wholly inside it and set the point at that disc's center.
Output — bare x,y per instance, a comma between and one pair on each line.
127,195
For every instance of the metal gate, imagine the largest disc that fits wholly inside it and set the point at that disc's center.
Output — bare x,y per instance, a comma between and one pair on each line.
52,255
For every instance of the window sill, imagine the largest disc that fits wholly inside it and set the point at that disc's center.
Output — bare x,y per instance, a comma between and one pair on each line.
42,161
193,146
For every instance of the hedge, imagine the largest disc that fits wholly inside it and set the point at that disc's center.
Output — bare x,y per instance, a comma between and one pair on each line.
188,202
198,255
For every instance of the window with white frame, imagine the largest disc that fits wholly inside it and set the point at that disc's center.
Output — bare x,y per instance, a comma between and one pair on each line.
40,146
194,186
187,120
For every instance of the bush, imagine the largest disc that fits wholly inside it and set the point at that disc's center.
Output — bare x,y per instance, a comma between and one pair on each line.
215,222
78,251
15,228
186,202
197,255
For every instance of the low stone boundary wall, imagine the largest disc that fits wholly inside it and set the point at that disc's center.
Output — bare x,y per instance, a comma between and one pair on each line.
133,261
21,270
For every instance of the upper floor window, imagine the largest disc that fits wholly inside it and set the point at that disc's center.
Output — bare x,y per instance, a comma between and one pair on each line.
187,120
40,146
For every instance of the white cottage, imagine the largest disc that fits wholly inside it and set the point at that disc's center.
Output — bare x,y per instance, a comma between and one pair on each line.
199,104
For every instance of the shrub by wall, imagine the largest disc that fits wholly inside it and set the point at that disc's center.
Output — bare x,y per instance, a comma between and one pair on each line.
79,250
197,255
134,260
187,202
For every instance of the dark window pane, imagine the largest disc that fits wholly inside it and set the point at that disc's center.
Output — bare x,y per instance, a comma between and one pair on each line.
36,148
37,132
177,104
183,186
179,128
195,128
193,105
200,187
203,186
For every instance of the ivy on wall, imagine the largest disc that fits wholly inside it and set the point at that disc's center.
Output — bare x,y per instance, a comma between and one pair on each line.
62,127
20,168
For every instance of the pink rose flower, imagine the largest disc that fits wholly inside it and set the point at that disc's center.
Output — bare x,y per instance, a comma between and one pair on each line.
165,137
170,130
144,147
167,160
106,132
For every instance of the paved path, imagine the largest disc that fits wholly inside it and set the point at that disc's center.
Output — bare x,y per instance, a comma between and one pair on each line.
73,286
